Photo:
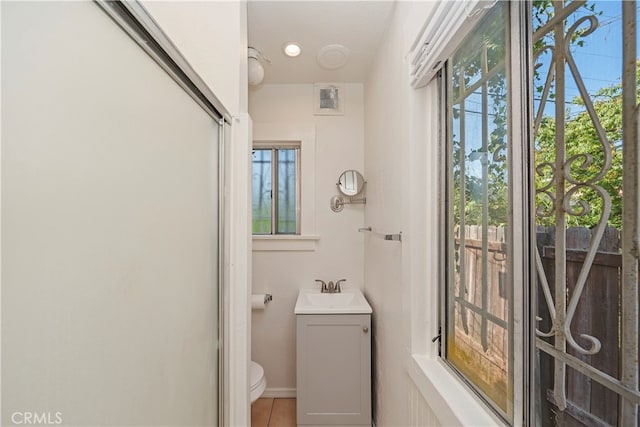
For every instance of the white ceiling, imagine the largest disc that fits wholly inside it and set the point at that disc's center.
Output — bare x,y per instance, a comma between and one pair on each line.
358,25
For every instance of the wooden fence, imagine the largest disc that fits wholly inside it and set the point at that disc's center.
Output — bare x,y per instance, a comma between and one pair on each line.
482,309
480,345
597,314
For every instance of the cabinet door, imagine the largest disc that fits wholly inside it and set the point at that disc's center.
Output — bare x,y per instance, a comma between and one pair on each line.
334,369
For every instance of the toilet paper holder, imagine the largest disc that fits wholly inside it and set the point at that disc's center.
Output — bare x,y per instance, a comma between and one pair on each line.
259,301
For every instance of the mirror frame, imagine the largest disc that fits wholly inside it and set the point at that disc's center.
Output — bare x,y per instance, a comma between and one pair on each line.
359,181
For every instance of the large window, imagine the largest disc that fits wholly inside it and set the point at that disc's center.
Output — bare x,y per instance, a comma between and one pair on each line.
478,331
276,189
541,183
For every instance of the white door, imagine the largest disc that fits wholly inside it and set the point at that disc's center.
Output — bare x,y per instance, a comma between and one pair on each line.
109,228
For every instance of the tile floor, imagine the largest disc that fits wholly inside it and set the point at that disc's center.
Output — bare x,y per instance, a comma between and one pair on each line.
269,412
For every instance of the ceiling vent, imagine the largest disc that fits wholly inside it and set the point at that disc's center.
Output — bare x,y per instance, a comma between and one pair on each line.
333,56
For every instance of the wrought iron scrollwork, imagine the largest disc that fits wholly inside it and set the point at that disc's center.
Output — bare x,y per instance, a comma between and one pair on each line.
572,204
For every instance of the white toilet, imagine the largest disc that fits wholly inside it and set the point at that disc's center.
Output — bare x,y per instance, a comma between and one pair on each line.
258,381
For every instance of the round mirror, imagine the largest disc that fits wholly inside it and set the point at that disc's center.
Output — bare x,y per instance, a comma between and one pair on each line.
351,183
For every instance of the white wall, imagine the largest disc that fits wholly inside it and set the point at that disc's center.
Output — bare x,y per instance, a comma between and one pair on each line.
210,34
412,384
402,165
339,252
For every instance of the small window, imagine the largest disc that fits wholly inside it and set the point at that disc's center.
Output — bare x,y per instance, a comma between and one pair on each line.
276,189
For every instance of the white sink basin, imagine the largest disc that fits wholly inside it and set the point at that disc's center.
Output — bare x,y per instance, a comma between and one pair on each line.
349,301
333,300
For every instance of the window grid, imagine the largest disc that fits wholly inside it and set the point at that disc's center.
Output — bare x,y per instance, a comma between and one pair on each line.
478,315
276,189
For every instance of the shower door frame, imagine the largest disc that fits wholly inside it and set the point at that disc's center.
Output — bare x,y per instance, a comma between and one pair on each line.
136,21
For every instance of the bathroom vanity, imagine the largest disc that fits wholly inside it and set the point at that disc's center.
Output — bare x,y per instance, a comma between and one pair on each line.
333,358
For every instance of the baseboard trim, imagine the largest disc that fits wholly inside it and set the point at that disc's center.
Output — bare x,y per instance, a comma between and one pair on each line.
281,393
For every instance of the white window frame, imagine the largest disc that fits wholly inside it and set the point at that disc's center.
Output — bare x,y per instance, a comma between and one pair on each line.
305,135
453,401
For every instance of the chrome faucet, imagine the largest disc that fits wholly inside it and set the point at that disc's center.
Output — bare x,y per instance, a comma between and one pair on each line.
323,286
331,288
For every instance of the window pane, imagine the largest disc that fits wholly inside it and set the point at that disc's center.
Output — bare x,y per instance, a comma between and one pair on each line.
478,293
287,191
261,206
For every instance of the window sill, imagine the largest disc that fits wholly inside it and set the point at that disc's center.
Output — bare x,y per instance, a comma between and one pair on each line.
285,243
449,399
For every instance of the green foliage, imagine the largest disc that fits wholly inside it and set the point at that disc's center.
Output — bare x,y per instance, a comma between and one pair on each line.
543,12
581,138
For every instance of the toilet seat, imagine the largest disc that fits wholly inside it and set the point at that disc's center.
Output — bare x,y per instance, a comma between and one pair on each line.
258,381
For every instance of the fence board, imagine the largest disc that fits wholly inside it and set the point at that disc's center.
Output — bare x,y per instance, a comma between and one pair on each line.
597,314
484,304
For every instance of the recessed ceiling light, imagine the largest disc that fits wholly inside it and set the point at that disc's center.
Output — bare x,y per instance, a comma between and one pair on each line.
292,49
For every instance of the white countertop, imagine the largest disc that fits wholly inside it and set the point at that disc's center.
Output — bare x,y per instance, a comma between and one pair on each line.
349,301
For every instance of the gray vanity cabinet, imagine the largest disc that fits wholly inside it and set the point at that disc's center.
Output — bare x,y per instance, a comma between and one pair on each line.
334,369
